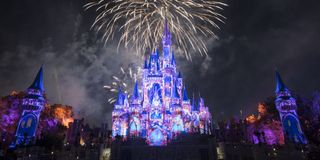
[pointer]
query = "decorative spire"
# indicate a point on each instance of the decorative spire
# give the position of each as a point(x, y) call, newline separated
point(193, 103)
point(280, 86)
point(175, 91)
point(185, 95)
point(166, 37)
point(120, 100)
point(179, 75)
point(173, 60)
point(145, 64)
point(135, 93)
point(38, 81)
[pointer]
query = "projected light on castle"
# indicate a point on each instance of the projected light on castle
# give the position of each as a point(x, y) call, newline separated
point(159, 108)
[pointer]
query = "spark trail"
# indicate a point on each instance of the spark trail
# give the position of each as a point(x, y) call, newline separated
point(140, 22)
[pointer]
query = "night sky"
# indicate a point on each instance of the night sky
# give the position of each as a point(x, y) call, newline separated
point(257, 37)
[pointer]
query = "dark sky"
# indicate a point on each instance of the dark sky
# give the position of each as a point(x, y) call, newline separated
point(257, 37)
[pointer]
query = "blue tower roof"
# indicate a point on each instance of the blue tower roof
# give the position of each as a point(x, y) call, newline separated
point(179, 75)
point(185, 95)
point(38, 81)
point(166, 37)
point(121, 96)
point(175, 91)
point(135, 93)
point(194, 107)
point(145, 64)
point(280, 86)
point(173, 60)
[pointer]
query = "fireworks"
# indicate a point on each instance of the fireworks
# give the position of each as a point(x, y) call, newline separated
point(141, 22)
point(124, 81)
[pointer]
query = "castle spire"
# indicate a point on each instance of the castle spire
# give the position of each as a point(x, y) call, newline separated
point(38, 81)
point(121, 96)
point(175, 91)
point(145, 64)
point(280, 86)
point(179, 75)
point(185, 95)
point(193, 103)
point(173, 60)
point(135, 93)
point(166, 37)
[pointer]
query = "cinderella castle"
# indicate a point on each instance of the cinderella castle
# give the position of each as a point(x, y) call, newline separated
point(163, 109)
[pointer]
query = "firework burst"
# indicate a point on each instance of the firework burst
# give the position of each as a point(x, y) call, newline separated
point(141, 22)
point(125, 81)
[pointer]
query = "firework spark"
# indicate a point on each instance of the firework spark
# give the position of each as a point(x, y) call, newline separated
point(124, 81)
point(141, 22)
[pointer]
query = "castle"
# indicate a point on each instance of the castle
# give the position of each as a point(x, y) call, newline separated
point(163, 109)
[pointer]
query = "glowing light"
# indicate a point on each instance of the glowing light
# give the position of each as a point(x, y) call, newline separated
point(63, 114)
point(141, 22)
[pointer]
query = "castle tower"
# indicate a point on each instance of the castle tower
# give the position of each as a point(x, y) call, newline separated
point(177, 122)
point(120, 116)
point(32, 104)
point(286, 105)
point(135, 110)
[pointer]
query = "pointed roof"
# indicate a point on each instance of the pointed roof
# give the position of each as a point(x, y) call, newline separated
point(166, 36)
point(145, 64)
point(173, 60)
point(175, 91)
point(280, 86)
point(121, 97)
point(38, 81)
point(194, 107)
point(179, 75)
point(135, 93)
point(185, 95)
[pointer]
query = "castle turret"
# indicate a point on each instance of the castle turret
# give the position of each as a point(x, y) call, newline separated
point(33, 103)
point(286, 105)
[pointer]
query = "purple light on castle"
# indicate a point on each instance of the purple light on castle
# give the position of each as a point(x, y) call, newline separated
point(163, 109)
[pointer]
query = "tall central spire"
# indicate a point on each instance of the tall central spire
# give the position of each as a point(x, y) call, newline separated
point(166, 36)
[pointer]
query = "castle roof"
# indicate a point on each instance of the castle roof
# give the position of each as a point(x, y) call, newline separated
point(145, 64)
point(38, 81)
point(121, 97)
point(166, 37)
point(179, 75)
point(175, 91)
point(185, 95)
point(173, 60)
point(135, 93)
point(280, 86)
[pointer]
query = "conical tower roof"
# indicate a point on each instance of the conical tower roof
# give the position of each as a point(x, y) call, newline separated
point(280, 86)
point(38, 81)
point(185, 95)
point(175, 91)
point(135, 93)
point(166, 37)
